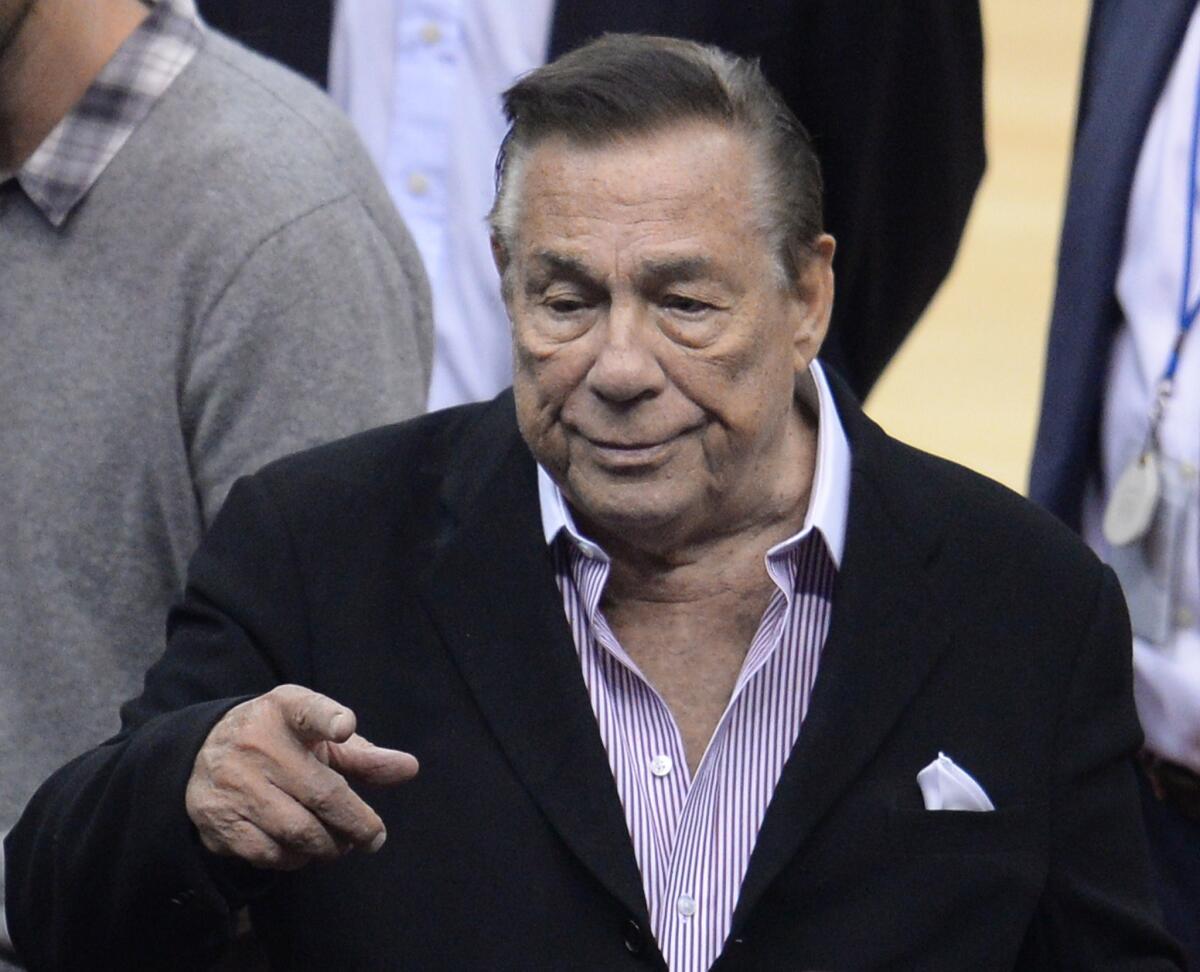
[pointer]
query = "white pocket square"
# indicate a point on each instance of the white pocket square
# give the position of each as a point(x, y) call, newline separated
point(946, 786)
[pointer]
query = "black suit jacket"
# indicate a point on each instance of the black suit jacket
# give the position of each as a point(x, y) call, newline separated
point(891, 90)
point(403, 572)
point(1130, 50)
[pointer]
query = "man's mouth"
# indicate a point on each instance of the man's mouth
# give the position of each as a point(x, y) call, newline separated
point(631, 453)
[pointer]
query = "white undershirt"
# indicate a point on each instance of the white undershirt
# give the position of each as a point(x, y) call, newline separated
point(1149, 280)
point(421, 80)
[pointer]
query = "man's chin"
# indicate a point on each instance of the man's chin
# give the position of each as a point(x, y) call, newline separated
point(628, 513)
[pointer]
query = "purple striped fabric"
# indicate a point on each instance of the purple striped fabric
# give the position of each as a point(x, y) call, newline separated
point(693, 838)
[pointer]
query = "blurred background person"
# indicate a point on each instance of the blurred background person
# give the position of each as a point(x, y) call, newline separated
point(199, 271)
point(891, 93)
point(1118, 446)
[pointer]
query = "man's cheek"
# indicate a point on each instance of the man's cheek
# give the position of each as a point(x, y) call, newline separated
point(560, 375)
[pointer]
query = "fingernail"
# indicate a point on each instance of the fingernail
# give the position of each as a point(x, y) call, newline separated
point(338, 725)
point(377, 842)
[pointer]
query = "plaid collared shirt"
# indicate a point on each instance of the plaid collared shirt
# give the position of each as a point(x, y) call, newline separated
point(63, 169)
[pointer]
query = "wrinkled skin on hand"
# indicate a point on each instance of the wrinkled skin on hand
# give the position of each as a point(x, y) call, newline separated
point(269, 785)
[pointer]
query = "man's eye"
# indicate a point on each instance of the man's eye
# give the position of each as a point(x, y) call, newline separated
point(565, 305)
point(688, 306)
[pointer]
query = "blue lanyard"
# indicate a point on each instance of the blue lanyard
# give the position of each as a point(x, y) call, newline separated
point(1187, 314)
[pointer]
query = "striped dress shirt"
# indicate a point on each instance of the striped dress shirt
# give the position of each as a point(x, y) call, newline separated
point(693, 838)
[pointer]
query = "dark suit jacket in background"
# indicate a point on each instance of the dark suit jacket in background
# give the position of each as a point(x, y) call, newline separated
point(404, 573)
point(1131, 48)
point(891, 90)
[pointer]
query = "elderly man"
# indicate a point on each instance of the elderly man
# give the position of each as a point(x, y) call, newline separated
point(702, 669)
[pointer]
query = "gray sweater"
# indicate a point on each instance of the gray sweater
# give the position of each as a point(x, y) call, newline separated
point(235, 286)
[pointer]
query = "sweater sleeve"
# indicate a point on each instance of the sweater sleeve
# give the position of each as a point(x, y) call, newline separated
point(322, 331)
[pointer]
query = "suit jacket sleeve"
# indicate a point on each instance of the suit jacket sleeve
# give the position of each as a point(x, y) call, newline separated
point(1097, 910)
point(105, 865)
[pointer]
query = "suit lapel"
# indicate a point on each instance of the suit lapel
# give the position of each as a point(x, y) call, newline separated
point(885, 636)
point(1125, 75)
point(491, 593)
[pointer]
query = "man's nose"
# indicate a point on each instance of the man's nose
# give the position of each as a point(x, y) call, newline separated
point(626, 367)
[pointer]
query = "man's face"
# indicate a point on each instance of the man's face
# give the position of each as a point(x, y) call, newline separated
point(656, 347)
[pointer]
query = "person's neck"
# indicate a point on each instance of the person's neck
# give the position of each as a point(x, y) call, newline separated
point(45, 69)
point(726, 566)
point(727, 556)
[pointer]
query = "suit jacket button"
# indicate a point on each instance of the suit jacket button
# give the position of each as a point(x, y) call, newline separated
point(635, 938)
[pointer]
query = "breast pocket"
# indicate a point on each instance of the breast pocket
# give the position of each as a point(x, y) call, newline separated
point(958, 832)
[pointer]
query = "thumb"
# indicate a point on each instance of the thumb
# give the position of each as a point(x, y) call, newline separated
point(369, 763)
point(312, 717)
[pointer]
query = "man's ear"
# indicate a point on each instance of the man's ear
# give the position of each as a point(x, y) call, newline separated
point(500, 257)
point(499, 253)
point(812, 300)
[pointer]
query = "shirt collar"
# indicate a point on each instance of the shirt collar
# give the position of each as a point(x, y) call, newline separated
point(828, 504)
point(63, 169)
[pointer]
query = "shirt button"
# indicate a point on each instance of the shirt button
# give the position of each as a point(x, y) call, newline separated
point(1184, 618)
point(686, 905)
point(431, 33)
point(418, 184)
point(661, 765)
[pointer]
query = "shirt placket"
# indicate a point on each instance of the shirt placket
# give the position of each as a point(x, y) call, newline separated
point(643, 741)
point(679, 837)
point(428, 32)
point(651, 761)
point(694, 914)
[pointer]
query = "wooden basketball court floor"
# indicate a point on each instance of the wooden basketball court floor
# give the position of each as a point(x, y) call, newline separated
point(967, 382)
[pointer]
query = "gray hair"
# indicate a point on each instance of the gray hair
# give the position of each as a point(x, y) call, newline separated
point(632, 84)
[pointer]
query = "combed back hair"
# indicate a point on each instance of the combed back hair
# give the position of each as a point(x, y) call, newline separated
point(632, 84)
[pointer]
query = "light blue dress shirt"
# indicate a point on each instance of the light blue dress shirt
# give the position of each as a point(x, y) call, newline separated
point(421, 80)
